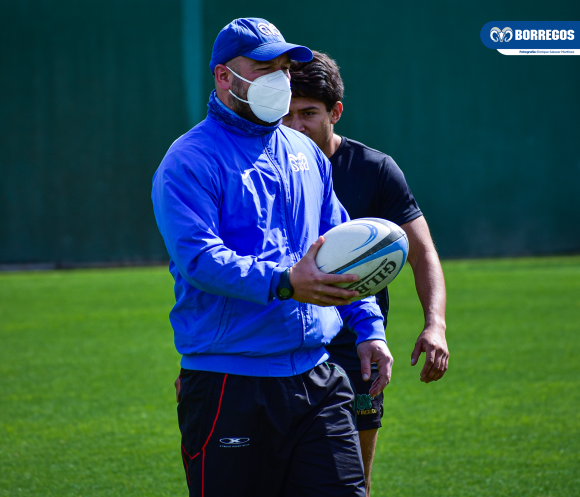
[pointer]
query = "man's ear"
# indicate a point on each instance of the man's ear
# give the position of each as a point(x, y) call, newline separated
point(223, 77)
point(335, 112)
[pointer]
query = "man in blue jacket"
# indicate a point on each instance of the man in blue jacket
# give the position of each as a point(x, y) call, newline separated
point(241, 203)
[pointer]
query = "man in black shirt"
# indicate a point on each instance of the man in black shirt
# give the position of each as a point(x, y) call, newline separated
point(369, 184)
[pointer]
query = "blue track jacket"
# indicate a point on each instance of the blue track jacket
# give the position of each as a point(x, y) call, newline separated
point(237, 204)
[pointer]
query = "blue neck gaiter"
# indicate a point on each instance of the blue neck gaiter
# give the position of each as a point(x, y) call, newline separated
point(218, 111)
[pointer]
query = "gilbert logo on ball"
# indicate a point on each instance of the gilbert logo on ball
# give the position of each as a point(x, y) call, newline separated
point(374, 249)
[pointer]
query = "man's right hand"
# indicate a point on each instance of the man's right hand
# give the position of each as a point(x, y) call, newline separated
point(312, 286)
point(375, 351)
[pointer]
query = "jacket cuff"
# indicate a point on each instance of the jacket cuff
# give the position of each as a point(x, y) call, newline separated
point(370, 329)
point(275, 281)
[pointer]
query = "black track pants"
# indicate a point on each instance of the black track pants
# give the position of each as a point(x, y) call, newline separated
point(253, 436)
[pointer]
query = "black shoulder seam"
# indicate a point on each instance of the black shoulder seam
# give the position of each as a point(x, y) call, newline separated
point(366, 147)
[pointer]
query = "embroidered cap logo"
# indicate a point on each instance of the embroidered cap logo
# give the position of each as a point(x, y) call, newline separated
point(269, 29)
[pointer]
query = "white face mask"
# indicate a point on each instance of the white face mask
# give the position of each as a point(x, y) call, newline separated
point(269, 96)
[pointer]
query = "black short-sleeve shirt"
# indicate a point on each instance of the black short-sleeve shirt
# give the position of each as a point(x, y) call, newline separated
point(368, 183)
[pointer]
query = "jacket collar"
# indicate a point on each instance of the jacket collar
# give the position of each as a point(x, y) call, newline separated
point(230, 120)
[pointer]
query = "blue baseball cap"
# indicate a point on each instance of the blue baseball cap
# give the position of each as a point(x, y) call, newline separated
point(255, 38)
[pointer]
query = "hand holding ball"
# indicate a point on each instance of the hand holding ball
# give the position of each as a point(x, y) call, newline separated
point(374, 249)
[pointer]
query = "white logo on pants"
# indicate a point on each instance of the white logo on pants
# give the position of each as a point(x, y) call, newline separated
point(234, 442)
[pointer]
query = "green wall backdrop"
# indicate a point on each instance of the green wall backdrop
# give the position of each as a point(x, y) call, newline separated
point(93, 93)
point(92, 96)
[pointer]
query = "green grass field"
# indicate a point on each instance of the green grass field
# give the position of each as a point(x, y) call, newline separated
point(87, 366)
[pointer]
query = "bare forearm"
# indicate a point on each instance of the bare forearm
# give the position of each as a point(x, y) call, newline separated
point(430, 285)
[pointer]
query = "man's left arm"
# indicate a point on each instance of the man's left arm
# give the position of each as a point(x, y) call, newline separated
point(430, 285)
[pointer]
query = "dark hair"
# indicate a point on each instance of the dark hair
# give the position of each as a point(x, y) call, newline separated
point(318, 79)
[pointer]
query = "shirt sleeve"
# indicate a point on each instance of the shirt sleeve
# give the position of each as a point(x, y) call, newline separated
point(186, 206)
point(397, 203)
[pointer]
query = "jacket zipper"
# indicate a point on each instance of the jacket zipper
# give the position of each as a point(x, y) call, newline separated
point(291, 242)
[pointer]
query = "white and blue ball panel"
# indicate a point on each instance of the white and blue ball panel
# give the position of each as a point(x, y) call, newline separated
point(373, 249)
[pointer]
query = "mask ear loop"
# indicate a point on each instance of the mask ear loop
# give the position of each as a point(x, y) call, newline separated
point(243, 79)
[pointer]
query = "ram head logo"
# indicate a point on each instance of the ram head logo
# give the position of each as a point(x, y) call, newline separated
point(497, 34)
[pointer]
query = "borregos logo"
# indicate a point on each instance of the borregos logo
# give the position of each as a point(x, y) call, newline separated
point(298, 162)
point(545, 34)
point(268, 29)
point(497, 34)
point(532, 37)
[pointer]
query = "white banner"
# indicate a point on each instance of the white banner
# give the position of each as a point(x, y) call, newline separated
point(537, 51)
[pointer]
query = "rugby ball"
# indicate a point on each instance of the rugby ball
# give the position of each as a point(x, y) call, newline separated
point(374, 249)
